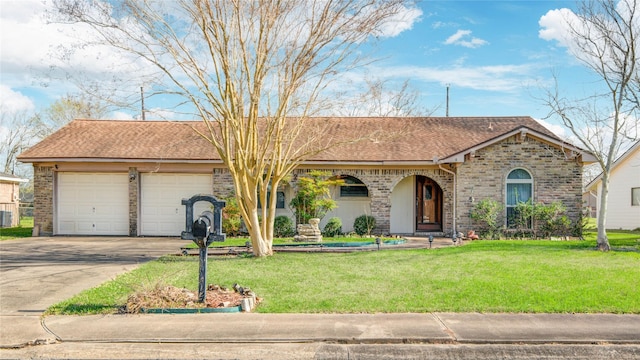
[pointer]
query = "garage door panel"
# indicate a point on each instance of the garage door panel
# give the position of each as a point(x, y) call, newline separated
point(67, 227)
point(107, 211)
point(92, 204)
point(149, 212)
point(111, 226)
point(84, 227)
point(161, 201)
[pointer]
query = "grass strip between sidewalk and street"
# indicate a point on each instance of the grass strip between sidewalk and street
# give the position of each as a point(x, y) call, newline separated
point(483, 276)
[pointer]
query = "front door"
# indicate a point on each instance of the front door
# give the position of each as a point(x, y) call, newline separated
point(428, 205)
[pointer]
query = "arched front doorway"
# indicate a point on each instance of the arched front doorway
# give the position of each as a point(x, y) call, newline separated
point(428, 205)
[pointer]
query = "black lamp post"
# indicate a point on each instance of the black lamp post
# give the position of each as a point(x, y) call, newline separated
point(378, 242)
point(430, 240)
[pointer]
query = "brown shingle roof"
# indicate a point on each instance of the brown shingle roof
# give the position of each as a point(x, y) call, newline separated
point(386, 139)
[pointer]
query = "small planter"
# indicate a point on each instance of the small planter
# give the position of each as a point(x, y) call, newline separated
point(232, 309)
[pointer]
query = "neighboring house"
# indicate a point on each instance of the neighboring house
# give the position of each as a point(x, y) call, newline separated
point(414, 175)
point(623, 205)
point(590, 204)
point(10, 199)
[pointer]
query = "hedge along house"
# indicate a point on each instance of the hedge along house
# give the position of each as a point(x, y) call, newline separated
point(416, 176)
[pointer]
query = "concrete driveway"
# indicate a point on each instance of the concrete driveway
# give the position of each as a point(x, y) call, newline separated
point(38, 272)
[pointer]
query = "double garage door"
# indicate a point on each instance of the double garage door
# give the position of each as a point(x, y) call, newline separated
point(98, 203)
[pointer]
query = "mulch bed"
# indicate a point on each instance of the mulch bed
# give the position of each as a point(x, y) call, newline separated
point(166, 297)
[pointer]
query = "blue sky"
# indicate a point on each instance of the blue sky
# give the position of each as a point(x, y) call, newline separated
point(491, 53)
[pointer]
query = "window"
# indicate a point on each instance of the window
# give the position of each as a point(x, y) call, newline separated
point(635, 196)
point(519, 189)
point(279, 200)
point(353, 187)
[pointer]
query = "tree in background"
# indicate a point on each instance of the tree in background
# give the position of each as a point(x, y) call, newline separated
point(605, 37)
point(22, 129)
point(66, 109)
point(254, 71)
point(16, 135)
point(384, 98)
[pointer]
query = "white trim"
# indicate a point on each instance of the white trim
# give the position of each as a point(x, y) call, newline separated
point(13, 179)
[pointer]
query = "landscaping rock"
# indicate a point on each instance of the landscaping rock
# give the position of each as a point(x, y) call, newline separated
point(309, 232)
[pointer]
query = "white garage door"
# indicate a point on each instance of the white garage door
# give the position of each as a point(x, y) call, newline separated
point(162, 212)
point(92, 204)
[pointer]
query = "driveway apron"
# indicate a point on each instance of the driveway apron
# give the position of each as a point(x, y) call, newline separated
point(38, 272)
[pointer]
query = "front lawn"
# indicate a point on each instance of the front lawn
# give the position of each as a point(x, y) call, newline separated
point(482, 276)
point(25, 229)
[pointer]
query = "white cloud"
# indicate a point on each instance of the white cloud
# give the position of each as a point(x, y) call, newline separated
point(404, 20)
point(559, 130)
point(555, 26)
point(501, 78)
point(461, 38)
point(120, 115)
point(38, 54)
point(457, 36)
point(14, 101)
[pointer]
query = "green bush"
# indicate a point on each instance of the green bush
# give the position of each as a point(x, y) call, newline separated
point(231, 218)
point(488, 213)
point(333, 227)
point(364, 224)
point(282, 227)
point(553, 219)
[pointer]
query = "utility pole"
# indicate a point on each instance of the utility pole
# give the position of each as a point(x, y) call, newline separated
point(447, 114)
point(142, 101)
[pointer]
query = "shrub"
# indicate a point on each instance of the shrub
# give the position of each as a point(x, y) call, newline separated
point(521, 219)
point(488, 213)
point(364, 224)
point(553, 219)
point(282, 226)
point(333, 227)
point(231, 218)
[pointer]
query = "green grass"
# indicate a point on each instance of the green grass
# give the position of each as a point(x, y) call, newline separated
point(482, 276)
point(25, 229)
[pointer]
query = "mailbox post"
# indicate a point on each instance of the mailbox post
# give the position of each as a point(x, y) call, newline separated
point(202, 231)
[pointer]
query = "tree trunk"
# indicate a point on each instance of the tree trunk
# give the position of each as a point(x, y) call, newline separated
point(603, 240)
point(260, 243)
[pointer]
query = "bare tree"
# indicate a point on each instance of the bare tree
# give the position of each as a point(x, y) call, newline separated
point(252, 70)
point(16, 135)
point(605, 36)
point(64, 110)
point(382, 97)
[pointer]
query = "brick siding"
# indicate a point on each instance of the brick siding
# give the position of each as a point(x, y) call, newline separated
point(556, 176)
point(43, 198)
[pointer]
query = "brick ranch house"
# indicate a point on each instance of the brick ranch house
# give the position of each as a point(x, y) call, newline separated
point(103, 177)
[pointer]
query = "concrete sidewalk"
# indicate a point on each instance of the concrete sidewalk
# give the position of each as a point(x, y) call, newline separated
point(430, 328)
